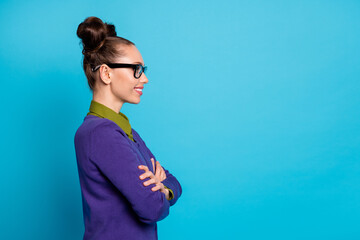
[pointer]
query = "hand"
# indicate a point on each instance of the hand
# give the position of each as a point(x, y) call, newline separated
point(153, 180)
point(159, 172)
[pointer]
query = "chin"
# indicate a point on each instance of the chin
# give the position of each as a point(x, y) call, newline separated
point(135, 101)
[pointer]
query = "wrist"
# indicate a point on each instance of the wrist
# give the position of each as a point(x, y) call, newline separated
point(167, 193)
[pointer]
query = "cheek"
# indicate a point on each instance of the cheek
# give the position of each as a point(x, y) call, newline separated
point(125, 88)
point(127, 80)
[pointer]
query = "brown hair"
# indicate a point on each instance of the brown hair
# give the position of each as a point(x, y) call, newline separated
point(100, 44)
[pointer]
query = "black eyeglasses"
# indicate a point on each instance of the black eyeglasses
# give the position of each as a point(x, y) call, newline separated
point(138, 68)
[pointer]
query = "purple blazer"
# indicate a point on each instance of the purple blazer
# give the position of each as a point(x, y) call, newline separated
point(116, 204)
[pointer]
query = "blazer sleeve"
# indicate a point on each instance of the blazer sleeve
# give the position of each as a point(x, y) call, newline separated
point(170, 181)
point(114, 157)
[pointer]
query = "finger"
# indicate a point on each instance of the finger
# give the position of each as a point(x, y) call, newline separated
point(158, 166)
point(143, 167)
point(153, 165)
point(147, 174)
point(158, 169)
point(148, 182)
point(163, 176)
point(156, 188)
point(162, 171)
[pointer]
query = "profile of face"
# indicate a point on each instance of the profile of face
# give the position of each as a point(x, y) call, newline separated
point(122, 83)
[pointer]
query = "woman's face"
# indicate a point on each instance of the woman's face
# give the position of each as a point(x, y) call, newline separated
point(124, 86)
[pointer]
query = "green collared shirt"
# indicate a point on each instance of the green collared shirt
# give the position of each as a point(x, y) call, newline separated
point(120, 119)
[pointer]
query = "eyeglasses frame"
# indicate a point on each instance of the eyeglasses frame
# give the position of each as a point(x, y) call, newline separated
point(123, 65)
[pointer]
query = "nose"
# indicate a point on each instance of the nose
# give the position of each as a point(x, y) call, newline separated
point(143, 78)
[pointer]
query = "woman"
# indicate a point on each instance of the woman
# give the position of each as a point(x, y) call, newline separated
point(124, 189)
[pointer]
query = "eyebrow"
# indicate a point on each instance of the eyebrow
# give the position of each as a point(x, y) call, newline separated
point(139, 63)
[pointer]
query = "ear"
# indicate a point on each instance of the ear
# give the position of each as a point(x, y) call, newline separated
point(105, 74)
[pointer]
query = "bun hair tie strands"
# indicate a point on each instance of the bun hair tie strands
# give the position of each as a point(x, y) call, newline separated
point(84, 51)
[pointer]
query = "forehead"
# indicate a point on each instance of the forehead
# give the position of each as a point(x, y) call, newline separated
point(130, 55)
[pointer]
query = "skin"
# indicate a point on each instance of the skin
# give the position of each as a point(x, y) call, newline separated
point(113, 88)
point(154, 179)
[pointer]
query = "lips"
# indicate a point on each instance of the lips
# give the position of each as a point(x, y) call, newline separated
point(139, 90)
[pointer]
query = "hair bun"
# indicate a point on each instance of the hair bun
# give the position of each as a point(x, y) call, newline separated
point(93, 32)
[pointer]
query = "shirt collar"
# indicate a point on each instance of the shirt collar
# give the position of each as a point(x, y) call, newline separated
point(120, 119)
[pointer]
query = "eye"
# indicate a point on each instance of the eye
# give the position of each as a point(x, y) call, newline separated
point(139, 69)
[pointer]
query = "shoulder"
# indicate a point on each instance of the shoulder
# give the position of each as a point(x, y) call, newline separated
point(135, 132)
point(96, 126)
point(138, 138)
point(136, 135)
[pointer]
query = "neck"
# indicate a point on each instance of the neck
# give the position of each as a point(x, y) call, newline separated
point(108, 100)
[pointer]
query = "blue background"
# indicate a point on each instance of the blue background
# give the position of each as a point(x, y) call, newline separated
point(253, 105)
